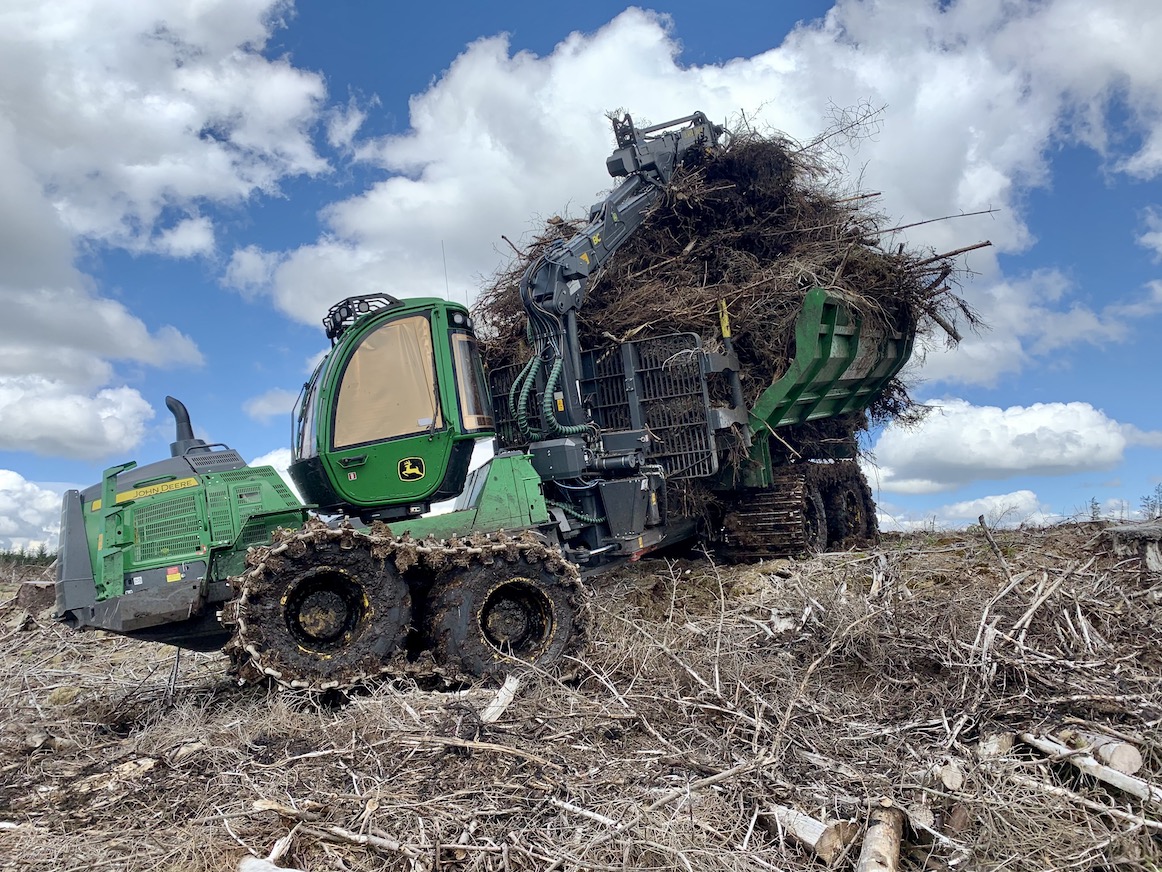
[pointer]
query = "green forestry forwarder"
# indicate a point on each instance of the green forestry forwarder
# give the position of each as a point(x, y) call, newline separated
point(203, 552)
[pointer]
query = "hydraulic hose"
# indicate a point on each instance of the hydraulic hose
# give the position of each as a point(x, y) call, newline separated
point(522, 410)
point(547, 417)
point(576, 514)
point(512, 396)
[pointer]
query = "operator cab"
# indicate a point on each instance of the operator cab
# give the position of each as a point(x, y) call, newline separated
point(387, 422)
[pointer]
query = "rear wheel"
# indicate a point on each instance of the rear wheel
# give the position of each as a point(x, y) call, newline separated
point(482, 618)
point(850, 510)
point(814, 518)
point(322, 613)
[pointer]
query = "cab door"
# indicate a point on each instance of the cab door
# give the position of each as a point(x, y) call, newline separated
point(389, 440)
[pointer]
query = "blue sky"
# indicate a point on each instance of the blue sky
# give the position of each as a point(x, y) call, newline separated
point(189, 186)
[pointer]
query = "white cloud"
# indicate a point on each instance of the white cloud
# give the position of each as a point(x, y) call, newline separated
point(124, 110)
point(1018, 507)
point(29, 513)
point(274, 403)
point(958, 443)
point(976, 94)
point(280, 459)
point(999, 510)
point(1031, 319)
point(53, 321)
point(1152, 237)
point(250, 269)
point(191, 237)
point(120, 124)
point(48, 418)
point(343, 123)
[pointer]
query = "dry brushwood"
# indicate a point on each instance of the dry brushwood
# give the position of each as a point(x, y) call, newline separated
point(757, 227)
point(707, 697)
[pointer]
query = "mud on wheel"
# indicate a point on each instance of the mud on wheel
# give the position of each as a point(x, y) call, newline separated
point(482, 617)
point(319, 612)
point(851, 514)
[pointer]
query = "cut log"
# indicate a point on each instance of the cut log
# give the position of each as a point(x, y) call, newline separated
point(1107, 750)
point(255, 864)
point(920, 816)
point(1090, 766)
point(881, 843)
point(825, 839)
point(948, 775)
point(994, 745)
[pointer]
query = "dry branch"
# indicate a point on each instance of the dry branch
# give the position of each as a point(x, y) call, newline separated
point(1087, 764)
point(754, 228)
point(1107, 750)
point(690, 718)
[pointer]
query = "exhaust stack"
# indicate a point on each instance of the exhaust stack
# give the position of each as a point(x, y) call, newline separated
point(184, 439)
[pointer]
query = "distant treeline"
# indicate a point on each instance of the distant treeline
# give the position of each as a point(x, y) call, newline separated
point(40, 556)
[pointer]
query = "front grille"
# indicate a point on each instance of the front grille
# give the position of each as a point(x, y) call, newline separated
point(167, 529)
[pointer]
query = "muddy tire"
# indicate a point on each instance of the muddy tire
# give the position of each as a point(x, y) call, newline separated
point(323, 613)
point(814, 519)
point(850, 512)
point(483, 617)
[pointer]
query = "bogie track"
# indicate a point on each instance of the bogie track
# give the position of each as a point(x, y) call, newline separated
point(326, 608)
point(808, 508)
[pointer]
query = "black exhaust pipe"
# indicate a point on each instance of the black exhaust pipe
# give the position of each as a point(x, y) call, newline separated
point(184, 439)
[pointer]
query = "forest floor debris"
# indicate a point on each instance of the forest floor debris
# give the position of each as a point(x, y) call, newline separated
point(714, 708)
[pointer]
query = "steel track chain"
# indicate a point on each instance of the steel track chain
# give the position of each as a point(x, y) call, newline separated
point(253, 662)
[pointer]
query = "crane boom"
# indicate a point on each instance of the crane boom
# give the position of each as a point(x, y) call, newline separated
point(553, 287)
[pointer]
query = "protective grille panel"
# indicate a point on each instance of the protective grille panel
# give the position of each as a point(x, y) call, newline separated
point(221, 522)
point(272, 479)
point(508, 435)
point(671, 388)
point(670, 391)
point(214, 461)
point(168, 528)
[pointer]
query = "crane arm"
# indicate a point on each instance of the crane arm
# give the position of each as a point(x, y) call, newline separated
point(646, 160)
point(553, 287)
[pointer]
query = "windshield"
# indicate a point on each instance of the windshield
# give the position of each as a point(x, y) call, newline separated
point(475, 408)
point(388, 388)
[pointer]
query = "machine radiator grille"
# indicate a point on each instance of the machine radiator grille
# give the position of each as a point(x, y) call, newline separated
point(214, 461)
point(271, 478)
point(221, 521)
point(167, 529)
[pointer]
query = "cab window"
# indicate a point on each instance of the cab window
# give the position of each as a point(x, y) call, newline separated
point(471, 388)
point(305, 414)
point(388, 388)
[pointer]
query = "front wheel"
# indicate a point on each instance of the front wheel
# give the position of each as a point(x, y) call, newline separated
point(320, 613)
point(484, 617)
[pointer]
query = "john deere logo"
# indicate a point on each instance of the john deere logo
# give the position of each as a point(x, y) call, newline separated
point(411, 469)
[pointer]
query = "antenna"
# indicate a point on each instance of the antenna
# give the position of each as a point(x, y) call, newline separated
point(444, 257)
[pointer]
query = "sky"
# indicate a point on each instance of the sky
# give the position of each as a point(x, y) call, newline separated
point(188, 185)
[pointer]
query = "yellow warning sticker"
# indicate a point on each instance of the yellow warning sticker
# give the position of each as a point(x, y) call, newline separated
point(152, 490)
point(173, 573)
